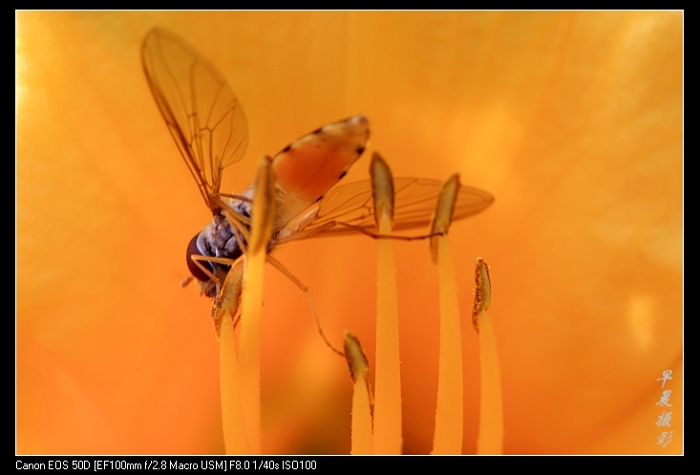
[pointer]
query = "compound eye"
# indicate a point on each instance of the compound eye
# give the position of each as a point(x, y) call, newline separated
point(192, 249)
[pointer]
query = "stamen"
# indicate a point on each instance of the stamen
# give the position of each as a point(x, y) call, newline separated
point(262, 215)
point(449, 413)
point(490, 439)
point(362, 396)
point(387, 415)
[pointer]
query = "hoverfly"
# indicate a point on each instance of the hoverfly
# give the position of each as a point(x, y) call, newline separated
point(209, 128)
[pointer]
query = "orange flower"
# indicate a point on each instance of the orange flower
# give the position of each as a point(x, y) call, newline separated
point(572, 120)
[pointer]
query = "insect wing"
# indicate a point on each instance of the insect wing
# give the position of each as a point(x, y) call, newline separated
point(200, 109)
point(310, 166)
point(415, 200)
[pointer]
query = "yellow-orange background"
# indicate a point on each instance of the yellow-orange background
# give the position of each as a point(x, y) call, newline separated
point(573, 120)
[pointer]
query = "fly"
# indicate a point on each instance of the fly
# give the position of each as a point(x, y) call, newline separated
point(209, 127)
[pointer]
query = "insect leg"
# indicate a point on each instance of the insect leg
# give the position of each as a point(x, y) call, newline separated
point(196, 258)
point(387, 236)
point(278, 265)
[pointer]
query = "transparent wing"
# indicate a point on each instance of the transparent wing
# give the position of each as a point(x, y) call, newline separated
point(414, 205)
point(200, 109)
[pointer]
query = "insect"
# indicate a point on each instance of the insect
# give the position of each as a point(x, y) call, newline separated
point(209, 127)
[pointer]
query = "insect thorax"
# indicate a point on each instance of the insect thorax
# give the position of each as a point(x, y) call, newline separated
point(218, 239)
